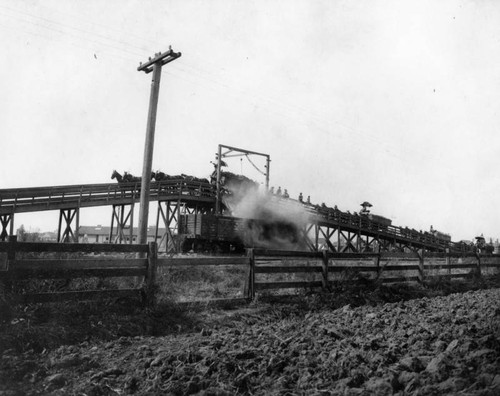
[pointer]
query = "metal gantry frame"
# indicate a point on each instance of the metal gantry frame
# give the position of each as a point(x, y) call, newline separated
point(236, 152)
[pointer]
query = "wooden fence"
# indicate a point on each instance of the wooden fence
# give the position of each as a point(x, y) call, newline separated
point(326, 268)
point(78, 263)
point(14, 267)
point(265, 269)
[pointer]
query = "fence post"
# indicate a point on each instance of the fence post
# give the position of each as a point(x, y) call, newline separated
point(421, 272)
point(11, 253)
point(326, 284)
point(478, 256)
point(5, 282)
point(11, 256)
point(250, 284)
point(246, 286)
point(377, 263)
point(150, 278)
point(448, 260)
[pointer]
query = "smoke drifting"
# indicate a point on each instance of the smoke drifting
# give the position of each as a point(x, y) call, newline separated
point(269, 221)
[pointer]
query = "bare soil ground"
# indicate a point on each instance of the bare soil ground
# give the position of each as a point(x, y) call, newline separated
point(374, 340)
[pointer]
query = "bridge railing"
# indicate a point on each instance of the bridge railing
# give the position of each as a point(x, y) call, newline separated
point(182, 187)
point(46, 198)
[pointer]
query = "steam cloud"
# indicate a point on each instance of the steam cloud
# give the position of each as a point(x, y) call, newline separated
point(269, 221)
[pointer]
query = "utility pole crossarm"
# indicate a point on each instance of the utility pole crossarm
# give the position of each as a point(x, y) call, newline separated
point(162, 58)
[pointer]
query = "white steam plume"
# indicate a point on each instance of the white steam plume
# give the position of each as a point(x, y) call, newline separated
point(271, 222)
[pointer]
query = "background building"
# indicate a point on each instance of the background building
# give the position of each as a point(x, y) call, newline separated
point(101, 234)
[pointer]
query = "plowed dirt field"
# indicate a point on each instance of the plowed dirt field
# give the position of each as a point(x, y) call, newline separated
point(351, 345)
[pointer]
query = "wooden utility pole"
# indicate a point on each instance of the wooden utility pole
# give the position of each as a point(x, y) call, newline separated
point(152, 65)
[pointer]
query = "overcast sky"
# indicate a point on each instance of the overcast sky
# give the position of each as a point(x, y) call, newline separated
point(394, 102)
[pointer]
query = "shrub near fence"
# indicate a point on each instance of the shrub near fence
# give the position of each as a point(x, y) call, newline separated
point(193, 279)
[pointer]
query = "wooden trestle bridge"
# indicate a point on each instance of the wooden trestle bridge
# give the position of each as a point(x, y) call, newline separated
point(335, 231)
point(345, 232)
point(173, 196)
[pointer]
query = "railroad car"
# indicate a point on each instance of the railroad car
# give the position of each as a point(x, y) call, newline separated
point(208, 232)
point(383, 221)
point(440, 235)
point(226, 234)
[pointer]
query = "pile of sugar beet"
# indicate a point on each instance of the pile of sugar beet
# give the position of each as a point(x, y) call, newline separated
point(441, 345)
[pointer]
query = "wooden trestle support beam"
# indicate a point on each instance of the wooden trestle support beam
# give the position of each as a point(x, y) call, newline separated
point(68, 215)
point(336, 239)
point(167, 217)
point(7, 221)
point(124, 216)
point(168, 212)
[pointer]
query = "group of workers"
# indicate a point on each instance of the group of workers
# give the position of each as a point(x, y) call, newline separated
point(279, 193)
point(284, 194)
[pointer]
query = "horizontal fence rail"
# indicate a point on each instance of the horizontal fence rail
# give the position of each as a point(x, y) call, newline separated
point(76, 268)
point(39, 247)
point(198, 261)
